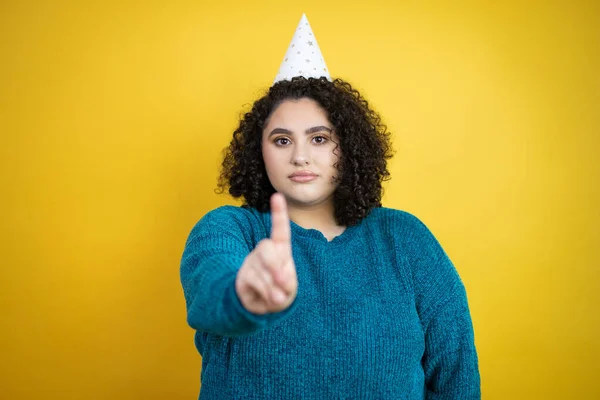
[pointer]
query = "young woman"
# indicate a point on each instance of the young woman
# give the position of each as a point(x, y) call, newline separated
point(312, 289)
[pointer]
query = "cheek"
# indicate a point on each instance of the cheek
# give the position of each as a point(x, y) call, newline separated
point(333, 159)
point(270, 158)
point(266, 154)
point(328, 156)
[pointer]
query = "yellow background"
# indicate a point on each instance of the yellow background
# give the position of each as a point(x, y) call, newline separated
point(113, 117)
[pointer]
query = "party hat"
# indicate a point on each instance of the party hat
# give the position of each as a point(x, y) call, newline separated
point(303, 56)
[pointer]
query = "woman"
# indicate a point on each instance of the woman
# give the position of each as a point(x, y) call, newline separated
point(312, 289)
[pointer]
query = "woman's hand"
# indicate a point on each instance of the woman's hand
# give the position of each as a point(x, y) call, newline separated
point(267, 281)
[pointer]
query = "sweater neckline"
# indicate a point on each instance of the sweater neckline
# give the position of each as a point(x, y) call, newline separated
point(316, 235)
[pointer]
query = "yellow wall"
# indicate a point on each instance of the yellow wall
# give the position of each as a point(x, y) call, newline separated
point(112, 118)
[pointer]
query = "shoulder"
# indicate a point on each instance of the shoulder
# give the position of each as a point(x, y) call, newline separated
point(228, 215)
point(403, 227)
point(430, 265)
point(396, 219)
point(233, 221)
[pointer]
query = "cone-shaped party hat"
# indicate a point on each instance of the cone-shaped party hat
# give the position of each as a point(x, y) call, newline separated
point(303, 56)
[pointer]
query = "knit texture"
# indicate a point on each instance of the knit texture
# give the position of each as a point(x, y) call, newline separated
point(381, 313)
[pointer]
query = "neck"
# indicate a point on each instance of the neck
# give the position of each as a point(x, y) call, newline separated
point(320, 217)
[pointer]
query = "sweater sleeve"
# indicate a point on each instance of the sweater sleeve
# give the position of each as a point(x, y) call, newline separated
point(213, 254)
point(450, 360)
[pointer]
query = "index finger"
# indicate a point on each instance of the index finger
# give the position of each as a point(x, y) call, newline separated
point(280, 229)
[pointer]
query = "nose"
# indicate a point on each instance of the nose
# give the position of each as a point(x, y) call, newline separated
point(300, 156)
point(300, 161)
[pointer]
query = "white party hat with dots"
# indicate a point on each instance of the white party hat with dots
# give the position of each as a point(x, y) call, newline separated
point(303, 57)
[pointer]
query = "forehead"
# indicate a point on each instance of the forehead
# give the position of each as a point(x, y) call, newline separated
point(299, 114)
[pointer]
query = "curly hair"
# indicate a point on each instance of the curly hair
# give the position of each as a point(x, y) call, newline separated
point(363, 139)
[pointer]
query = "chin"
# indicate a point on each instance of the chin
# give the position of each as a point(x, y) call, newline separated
point(306, 197)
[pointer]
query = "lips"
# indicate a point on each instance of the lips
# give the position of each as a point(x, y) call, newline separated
point(303, 176)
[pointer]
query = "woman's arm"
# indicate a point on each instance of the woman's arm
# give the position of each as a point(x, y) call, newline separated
point(450, 361)
point(213, 254)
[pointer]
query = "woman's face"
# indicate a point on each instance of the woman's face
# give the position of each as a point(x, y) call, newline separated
point(298, 145)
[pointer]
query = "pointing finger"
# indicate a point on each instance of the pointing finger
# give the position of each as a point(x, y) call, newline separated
point(280, 230)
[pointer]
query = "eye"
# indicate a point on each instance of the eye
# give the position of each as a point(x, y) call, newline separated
point(282, 141)
point(320, 139)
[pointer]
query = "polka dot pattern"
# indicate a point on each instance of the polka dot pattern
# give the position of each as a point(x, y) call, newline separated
point(303, 56)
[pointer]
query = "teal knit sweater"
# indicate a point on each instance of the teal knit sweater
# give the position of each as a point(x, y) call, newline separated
point(381, 313)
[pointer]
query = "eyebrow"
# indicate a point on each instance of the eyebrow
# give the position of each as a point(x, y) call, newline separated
point(314, 129)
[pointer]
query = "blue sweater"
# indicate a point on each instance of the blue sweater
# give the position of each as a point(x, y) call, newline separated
point(381, 313)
